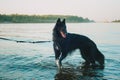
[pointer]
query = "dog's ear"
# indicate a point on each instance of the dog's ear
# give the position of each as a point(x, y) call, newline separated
point(63, 21)
point(58, 21)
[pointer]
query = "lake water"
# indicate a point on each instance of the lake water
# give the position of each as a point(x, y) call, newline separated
point(23, 57)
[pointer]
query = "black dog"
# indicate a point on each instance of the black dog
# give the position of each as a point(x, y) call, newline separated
point(65, 43)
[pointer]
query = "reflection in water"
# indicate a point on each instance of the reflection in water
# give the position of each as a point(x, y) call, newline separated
point(80, 73)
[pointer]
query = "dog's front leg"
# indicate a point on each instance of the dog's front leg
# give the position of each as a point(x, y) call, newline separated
point(57, 56)
point(59, 64)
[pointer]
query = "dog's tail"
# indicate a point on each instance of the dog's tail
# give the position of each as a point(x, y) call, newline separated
point(100, 58)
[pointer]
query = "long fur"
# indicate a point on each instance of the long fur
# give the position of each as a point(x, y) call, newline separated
point(64, 43)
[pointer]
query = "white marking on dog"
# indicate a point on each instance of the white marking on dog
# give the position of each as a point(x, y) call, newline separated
point(56, 47)
point(57, 63)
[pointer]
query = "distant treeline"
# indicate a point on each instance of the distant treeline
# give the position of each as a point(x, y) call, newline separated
point(17, 18)
point(116, 21)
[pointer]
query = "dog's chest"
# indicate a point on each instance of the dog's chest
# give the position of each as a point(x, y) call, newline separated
point(62, 45)
point(56, 47)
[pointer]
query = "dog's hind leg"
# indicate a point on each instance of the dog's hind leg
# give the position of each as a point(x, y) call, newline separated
point(84, 56)
point(88, 55)
point(97, 56)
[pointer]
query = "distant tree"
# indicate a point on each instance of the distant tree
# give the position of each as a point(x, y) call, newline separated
point(16, 18)
point(116, 21)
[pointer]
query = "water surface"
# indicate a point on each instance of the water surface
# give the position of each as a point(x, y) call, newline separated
point(35, 61)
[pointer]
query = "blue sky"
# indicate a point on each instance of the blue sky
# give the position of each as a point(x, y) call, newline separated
point(98, 10)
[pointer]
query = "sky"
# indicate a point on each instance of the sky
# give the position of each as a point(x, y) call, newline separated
point(98, 10)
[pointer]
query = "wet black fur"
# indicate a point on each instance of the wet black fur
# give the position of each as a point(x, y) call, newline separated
point(64, 46)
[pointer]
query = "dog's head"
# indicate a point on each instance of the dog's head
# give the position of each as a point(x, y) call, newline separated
point(60, 28)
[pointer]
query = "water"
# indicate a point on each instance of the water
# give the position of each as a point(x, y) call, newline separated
point(28, 60)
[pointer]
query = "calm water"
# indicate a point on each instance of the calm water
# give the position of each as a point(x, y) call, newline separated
point(26, 60)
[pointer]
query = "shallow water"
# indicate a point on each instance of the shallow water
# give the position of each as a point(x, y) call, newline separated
point(35, 61)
